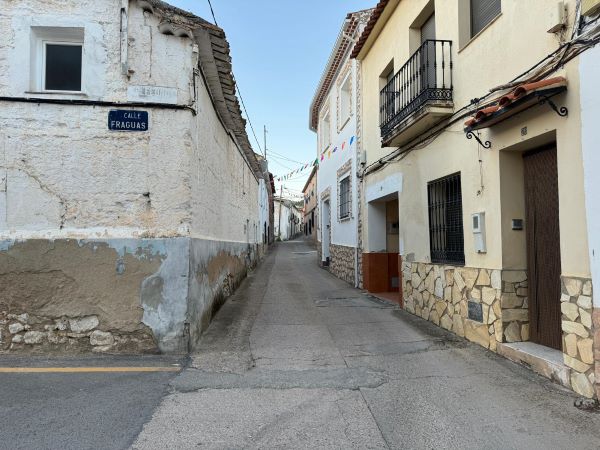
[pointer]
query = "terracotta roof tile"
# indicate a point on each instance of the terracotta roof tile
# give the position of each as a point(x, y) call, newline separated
point(377, 11)
point(506, 100)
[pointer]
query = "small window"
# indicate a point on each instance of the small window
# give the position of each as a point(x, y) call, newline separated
point(345, 101)
point(446, 233)
point(482, 13)
point(345, 197)
point(62, 66)
point(57, 59)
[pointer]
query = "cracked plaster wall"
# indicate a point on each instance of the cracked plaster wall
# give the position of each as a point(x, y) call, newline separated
point(106, 224)
point(63, 173)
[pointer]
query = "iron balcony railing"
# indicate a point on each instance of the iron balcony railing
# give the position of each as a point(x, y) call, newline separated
point(426, 76)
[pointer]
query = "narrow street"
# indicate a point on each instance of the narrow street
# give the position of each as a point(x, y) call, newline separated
point(298, 359)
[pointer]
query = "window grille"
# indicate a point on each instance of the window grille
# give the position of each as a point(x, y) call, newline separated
point(446, 233)
point(345, 197)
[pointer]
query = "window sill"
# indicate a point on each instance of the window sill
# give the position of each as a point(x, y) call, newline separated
point(483, 30)
point(62, 93)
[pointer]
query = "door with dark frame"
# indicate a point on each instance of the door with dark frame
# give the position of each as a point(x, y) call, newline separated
point(543, 246)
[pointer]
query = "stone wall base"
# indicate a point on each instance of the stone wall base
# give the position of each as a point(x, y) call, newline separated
point(490, 307)
point(114, 295)
point(578, 334)
point(342, 262)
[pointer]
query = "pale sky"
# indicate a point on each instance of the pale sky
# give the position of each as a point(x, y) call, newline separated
point(279, 50)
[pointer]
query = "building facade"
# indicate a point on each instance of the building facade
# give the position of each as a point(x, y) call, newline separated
point(334, 118)
point(265, 216)
point(310, 212)
point(288, 220)
point(130, 196)
point(474, 184)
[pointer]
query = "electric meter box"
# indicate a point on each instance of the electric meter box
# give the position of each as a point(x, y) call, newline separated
point(478, 224)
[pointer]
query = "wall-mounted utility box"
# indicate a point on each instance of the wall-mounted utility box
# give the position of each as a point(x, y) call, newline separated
point(478, 223)
point(517, 224)
point(590, 7)
point(362, 157)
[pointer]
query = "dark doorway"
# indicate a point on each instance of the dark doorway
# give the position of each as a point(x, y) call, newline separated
point(428, 49)
point(543, 246)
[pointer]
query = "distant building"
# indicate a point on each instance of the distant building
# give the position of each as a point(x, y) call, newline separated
point(130, 198)
point(310, 211)
point(266, 191)
point(288, 220)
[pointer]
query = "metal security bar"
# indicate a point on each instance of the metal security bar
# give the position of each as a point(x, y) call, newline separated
point(446, 235)
point(426, 76)
point(345, 198)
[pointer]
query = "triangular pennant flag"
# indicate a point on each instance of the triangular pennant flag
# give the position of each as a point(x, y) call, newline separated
point(352, 139)
point(322, 156)
point(343, 145)
point(334, 149)
point(329, 154)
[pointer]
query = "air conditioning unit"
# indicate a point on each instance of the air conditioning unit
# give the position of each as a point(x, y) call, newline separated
point(590, 7)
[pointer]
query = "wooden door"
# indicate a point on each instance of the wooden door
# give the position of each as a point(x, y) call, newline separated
point(543, 246)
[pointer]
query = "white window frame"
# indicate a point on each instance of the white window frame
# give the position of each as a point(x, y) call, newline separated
point(41, 37)
point(345, 115)
point(42, 54)
point(326, 136)
point(348, 203)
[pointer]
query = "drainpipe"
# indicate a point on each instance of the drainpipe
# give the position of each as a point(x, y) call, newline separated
point(356, 283)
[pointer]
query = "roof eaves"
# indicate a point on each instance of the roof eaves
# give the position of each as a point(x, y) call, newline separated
point(375, 16)
point(215, 64)
point(338, 54)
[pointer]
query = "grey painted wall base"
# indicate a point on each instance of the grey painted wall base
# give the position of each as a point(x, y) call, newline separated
point(114, 295)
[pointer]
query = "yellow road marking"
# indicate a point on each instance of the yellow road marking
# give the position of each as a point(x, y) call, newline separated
point(86, 369)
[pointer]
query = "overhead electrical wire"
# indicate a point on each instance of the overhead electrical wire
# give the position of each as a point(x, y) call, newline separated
point(588, 37)
point(237, 86)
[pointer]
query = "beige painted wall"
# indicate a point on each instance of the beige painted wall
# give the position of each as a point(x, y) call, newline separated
point(506, 48)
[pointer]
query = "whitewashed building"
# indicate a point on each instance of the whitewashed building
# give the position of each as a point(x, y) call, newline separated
point(130, 197)
point(334, 116)
point(288, 219)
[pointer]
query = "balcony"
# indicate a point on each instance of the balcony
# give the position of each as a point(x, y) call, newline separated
point(418, 95)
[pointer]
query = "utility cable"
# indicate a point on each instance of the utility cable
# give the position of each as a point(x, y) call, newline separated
point(237, 86)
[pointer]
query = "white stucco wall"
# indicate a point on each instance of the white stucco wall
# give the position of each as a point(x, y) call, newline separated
point(343, 232)
point(63, 173)
point(590, 136)
point(263, 211)
point(288, 213)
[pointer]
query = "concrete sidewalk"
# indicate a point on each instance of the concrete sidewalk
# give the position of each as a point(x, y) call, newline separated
point(299, 359)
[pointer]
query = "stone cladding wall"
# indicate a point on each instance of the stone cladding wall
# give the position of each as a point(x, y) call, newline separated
point(514, 302)
point(342, 262)
point(441, 295)
point(578, 333)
